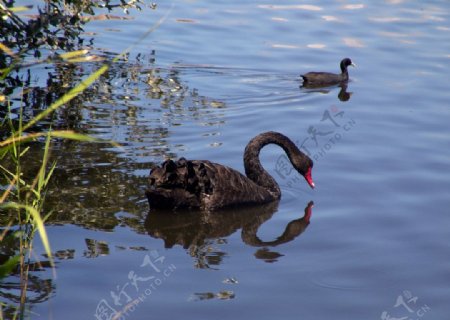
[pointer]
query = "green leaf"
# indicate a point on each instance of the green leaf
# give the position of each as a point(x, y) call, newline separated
point(9, 266)
point(20, 9)
point(38, 222)
point(73, 54)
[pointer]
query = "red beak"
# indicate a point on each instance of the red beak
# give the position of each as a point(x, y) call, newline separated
point(309, 178)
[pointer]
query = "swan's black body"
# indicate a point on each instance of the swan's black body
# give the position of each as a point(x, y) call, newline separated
point(321, 79)
point(204, 185)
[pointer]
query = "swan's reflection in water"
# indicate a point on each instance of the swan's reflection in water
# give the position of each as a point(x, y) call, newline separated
point(196, 230)
point(343, 94)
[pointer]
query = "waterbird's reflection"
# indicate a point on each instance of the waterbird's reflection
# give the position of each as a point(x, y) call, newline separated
point(343, 94)
point(194, 230)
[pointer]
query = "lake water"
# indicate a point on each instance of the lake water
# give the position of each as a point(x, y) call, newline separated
point(207, 80)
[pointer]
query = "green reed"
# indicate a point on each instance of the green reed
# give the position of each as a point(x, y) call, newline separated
point(22, 198)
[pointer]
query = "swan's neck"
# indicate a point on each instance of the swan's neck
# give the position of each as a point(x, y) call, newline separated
point(253, 168)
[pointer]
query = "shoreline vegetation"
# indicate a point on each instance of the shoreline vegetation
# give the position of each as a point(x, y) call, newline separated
point(57, 30)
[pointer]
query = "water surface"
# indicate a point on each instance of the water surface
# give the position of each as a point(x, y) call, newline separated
point(204, 83)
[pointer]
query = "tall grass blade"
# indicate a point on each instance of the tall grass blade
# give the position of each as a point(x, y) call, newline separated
point(7, 267)
point(37, 221)
point(63, 134)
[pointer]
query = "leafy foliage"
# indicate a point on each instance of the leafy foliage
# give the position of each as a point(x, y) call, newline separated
point(58, 24)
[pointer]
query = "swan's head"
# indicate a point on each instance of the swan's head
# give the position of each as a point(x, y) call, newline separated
point(304, 166)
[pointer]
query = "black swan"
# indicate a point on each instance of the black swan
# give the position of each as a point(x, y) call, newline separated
point(208, 186)
point(316, 79)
